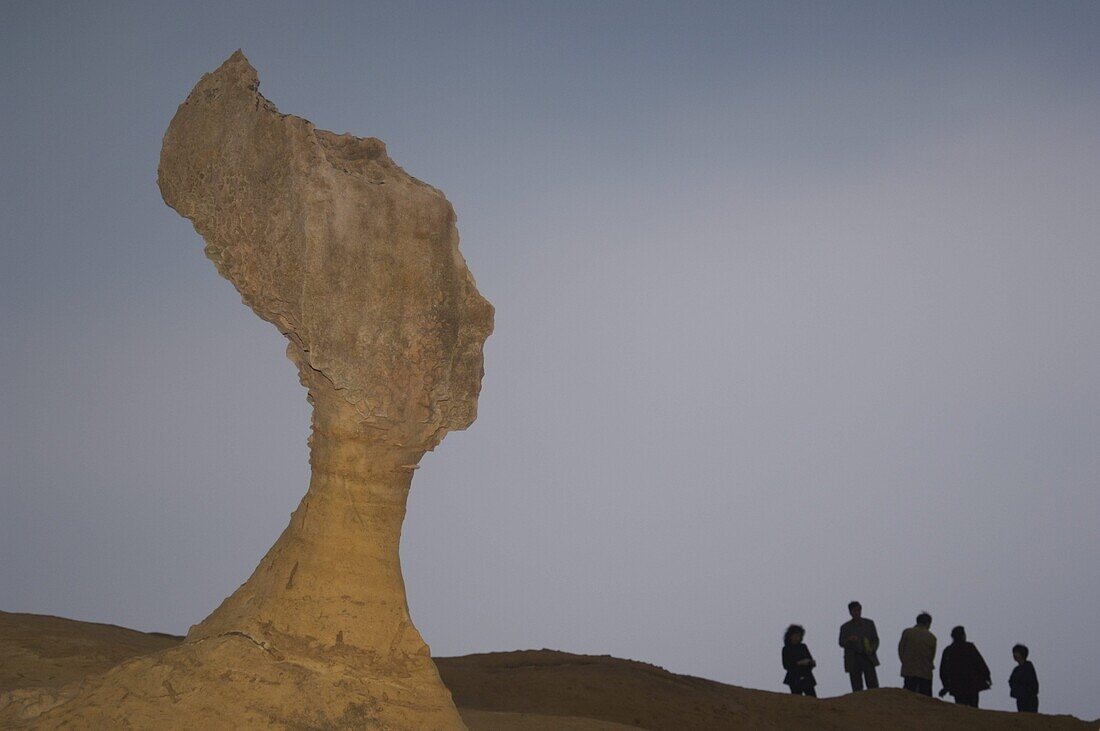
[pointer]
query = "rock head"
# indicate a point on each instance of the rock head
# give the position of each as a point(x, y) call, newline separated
point(357, 263)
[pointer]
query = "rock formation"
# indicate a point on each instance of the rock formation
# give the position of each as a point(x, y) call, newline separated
point(357, 263)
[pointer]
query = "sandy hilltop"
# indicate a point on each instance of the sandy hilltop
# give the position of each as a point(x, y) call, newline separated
point(533, 690)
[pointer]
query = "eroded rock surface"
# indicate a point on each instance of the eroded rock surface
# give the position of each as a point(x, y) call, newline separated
point(357, 263)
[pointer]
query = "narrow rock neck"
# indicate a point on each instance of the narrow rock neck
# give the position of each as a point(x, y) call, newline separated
point(333, 578)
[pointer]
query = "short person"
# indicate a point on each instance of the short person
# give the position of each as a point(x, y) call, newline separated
point(1023, 682)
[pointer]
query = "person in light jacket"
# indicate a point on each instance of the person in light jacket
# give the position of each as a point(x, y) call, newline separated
point(859, 638)
point(798, 662)
point(917, 652)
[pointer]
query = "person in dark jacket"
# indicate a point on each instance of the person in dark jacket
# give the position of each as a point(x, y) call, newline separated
point(963, 671)
point(859, 638)
point(798, 662)
point(1023, 682)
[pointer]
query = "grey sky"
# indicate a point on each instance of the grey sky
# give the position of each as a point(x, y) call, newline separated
point(796, 303)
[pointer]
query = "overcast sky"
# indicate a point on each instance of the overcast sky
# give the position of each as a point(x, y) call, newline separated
point(796, 303)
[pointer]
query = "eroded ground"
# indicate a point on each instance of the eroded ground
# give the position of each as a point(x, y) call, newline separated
point(538, 690)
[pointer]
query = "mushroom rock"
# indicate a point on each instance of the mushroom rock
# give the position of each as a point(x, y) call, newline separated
point(357, 263)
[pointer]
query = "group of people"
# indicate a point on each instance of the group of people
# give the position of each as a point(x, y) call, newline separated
point(963, 672)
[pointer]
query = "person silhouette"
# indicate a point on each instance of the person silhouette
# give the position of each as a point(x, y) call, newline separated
point(798, 662)
point(859, 638)
point(1023, 683)
point(963, 671)
point(917, 652)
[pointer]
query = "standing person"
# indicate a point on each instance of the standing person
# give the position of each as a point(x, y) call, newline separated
point(963, 671)
point(917, 652)
point(859, 638)
point(798, 662)
point(1023, 682)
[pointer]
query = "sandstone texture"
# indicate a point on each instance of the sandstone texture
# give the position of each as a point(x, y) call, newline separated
point(357, 263)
